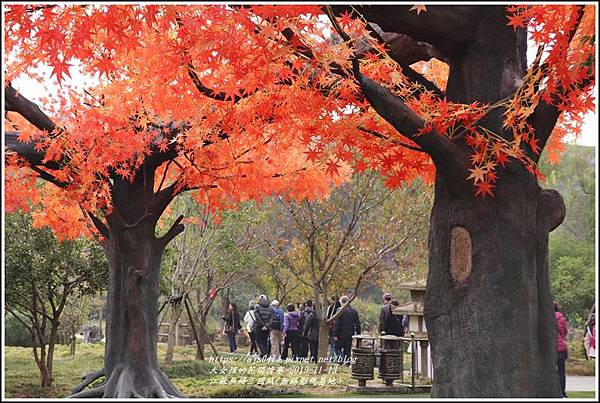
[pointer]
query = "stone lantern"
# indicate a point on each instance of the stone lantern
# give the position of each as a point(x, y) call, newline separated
point(416, 325)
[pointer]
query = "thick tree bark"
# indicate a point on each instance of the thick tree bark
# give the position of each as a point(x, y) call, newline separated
point(134, 255)
point(488, 307)
point(130, 357)
point(488, 304)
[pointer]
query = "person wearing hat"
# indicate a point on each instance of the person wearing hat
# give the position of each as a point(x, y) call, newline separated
point(276, 326)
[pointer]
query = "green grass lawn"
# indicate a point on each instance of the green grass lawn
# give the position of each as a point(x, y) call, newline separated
point(241, 376)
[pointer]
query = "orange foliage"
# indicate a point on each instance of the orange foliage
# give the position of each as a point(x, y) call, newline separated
point(285, 136)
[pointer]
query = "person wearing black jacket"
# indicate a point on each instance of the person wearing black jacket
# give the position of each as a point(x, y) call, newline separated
point(232, 326)
point(389, 323)
point(263, 315)
point(311, 330)
point(345, 326)
point(302, 340)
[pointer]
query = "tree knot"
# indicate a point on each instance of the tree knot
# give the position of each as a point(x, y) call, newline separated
point(460, 254)
point(139, 274)
point(551, 208)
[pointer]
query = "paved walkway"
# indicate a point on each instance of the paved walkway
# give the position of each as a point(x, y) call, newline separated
point(581, 383)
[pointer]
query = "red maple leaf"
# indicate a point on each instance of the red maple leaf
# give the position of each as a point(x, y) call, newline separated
point(60, 68)
point(332, 168)
point(502, 159)
point(484, 188)
point(104, 66)
point(311, 155)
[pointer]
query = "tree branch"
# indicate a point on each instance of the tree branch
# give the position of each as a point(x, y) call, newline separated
point(100, 226)
point(398, 48)
point(448, 28)
point(448, 157)
point(393, 141)
point(175, 230)
point(15, 102)
point(48, 177)
point(544, 117)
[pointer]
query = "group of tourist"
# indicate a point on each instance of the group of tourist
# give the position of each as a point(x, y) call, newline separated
point(274, 332)
point(295, 333)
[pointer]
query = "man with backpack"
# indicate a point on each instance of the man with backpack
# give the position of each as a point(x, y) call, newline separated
point(276, 326)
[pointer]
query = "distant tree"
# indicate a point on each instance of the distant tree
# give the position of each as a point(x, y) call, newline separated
point(74, 316)
point(571, 250)
point(213, 254)
point(575, 179)
point(335, 245)
point(41, 275)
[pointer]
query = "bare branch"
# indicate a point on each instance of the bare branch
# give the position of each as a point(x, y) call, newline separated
point(448, 28)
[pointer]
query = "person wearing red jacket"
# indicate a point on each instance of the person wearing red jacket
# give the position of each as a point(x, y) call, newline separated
point(561, 346)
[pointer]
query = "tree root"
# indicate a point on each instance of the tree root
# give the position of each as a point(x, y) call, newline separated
point(95, 392)
point(87, 379)
point(122, 383)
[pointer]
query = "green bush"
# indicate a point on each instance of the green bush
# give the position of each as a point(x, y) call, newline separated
point(188, 369)
point(16, 334)
point(368, 313)
point(575, 344)
point(573, 282)
point(249, 391)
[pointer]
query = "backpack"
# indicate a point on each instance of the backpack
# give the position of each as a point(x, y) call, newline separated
point(276, 321)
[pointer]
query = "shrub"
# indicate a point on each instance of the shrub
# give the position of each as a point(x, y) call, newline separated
point(16, 334)
point(249, 391)
point(368, 313)
point(188, 369)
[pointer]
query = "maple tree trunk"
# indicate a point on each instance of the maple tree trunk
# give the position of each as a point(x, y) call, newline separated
point(488, 302)
point(134, 255)
point(493, 331)
point(130, 358)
